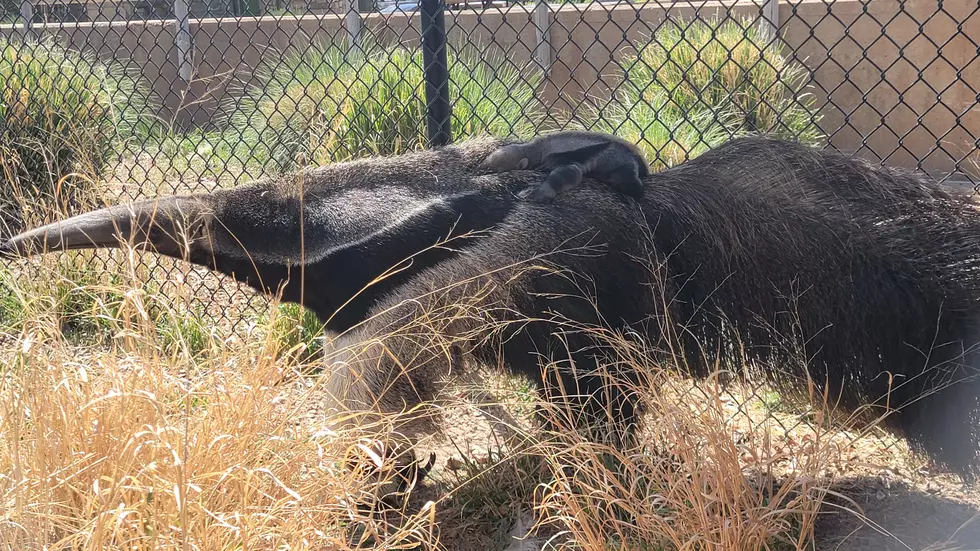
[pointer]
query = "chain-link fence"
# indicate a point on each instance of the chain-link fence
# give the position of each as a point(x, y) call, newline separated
point(146, 97)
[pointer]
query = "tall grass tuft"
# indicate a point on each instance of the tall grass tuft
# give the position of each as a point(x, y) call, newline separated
point(692, 86)
point(63, 115)
point(299, 330)
point(67, 291)
point(147, 444)
point(328, 103)
point(79, 301)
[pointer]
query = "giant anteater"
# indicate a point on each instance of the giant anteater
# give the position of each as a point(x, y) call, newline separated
point(870, 274)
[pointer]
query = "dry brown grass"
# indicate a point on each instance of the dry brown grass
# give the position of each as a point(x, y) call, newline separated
point(138, 445)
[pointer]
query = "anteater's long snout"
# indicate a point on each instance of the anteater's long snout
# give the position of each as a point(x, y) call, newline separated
point(164, 224)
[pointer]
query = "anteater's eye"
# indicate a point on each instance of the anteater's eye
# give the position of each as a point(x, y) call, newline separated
point(199, 230)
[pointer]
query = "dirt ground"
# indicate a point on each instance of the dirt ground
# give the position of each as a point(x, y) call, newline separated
point(896, 515)
point(887, 500)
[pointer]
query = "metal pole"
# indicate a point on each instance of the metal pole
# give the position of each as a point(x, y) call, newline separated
point(542, 33)
point(27, 14)
point(436, 69)
point(182, 38)
point(770, 12)
point(353, 23)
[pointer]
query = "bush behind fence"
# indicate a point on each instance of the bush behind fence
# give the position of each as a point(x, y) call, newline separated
point(108, 99)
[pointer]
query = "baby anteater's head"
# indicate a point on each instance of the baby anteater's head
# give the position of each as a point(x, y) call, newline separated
point(508, 157)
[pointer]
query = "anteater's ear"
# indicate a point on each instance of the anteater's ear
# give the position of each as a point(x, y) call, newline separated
point(173, 226)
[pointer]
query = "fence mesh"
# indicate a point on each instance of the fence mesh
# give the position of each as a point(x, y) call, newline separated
point(146, 97)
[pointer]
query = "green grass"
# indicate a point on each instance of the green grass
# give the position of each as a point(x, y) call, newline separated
point(182, 328)
point(298, 331)
point(77, 298)
point(198, 154)
point(695, 85)
point(666, 137)
point(64, 116)
point(88, 304)
point(329, 104)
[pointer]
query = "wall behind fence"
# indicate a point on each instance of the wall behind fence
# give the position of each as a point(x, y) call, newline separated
point(897, 82)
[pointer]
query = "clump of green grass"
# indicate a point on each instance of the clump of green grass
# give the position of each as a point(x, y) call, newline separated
point(63, 116)
point(330, 103)
point(181, 326)
point(298, 330)
point(668, 138)
point(181, 162)
point(692, 86)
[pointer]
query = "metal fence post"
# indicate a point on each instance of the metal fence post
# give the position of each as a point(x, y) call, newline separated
point(436, 68)
point(542, 33)
point(770, 14)
point(182, 39)
point(27, 14)
point(352, 22)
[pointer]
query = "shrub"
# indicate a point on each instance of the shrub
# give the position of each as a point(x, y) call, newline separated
point(83, 302)
point(667, 136)
point(329, 103)
point(694, 85)
point(62, 114)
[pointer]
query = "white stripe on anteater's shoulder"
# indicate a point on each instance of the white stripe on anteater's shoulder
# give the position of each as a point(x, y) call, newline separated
point(346, 205)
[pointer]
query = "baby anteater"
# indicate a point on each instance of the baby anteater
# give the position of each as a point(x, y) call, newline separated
point(569, 156)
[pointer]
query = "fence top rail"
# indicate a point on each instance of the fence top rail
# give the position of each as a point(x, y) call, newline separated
point(527, 7)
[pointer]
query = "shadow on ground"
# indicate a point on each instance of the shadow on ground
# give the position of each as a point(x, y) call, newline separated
point(872, 515)
point(883, 517)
